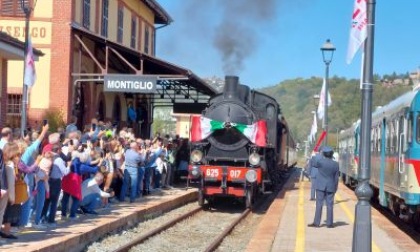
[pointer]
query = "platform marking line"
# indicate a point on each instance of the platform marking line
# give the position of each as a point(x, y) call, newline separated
point(300, 226)
point(350, 215)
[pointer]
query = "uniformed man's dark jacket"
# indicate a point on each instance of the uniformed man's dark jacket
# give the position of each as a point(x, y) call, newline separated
point(328, 173)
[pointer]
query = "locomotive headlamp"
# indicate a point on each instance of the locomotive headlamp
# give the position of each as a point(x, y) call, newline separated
point(254, 159)
point(195, 172)
point(251, 176)
point(196, 156)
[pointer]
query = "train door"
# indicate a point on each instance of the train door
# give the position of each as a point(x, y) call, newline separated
point(405, 136)
point(382, 196)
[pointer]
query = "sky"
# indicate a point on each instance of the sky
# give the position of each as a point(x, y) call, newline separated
point(282, 40)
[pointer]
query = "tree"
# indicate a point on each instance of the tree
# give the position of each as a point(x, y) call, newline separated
point(163, 121)
point(296, 100)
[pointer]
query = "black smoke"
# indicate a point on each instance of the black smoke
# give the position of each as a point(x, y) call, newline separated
point(236, 35)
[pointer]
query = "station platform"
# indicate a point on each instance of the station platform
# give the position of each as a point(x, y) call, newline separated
point(71, 236)
point(284, 227)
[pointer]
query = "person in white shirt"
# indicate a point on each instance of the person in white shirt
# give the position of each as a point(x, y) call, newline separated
point(92, 195)
point(6, 137)
point(59, 169)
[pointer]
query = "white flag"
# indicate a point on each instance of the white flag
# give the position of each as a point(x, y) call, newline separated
point(30, 74)
point(358, 30)
point(314, 129)
point(321, 104)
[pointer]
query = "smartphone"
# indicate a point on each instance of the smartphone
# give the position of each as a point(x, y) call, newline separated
point(45, 122)
point(93, 127)
point(71, 142)
point(25, 133)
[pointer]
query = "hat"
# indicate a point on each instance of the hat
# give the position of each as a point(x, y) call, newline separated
point(326, 149)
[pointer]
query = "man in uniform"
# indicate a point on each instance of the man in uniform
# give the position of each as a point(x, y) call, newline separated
point(312, 172)
point(326, 185)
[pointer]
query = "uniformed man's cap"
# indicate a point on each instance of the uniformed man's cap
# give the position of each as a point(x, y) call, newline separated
point(326, 149)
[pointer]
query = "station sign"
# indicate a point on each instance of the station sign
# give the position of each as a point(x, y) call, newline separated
point(128, 83)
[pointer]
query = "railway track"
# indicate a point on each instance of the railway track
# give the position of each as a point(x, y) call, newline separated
point(206, 229)
point(211, 247)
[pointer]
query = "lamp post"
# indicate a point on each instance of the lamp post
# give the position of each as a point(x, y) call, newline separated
point(362, 230)
point(27, 9)
point(327, 50)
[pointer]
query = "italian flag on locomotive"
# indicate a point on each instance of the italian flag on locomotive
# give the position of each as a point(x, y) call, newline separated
point(202, 127)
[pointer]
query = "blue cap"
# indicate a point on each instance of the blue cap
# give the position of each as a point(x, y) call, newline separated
point(326, 149)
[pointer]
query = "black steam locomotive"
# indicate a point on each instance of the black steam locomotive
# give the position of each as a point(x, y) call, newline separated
point(243, 145)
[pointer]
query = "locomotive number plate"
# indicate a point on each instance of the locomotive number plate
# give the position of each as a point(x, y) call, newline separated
point(214, 173)
point(235, 174)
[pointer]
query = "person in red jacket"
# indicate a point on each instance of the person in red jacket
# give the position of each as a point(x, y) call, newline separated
point(72, 183)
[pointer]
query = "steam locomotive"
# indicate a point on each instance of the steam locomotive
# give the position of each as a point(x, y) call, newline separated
point(241, 145)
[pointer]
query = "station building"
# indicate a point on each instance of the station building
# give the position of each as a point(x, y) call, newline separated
point(83, 42)
point(11, 49)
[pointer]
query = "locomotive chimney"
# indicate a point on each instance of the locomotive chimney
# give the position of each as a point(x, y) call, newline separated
point(231, 87)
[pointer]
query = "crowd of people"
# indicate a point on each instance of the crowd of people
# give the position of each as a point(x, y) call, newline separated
point(79, 172)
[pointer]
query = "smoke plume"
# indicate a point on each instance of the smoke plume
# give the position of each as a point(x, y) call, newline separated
point(236, 36)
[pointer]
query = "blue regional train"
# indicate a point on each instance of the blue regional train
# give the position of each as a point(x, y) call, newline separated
point(395, 148)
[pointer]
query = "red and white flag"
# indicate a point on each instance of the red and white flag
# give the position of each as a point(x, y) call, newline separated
point(322, 99)
point(30, 73)
point(358, 31)
point(314, 129)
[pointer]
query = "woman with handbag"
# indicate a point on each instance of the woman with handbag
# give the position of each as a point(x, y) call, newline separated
point(16, 188)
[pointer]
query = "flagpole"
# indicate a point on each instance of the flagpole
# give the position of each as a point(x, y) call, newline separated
point(23, 121)
point(327, 73)
point(362, 230)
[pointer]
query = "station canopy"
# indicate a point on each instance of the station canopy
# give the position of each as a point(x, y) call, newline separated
point(175, 84)
point(14, 49)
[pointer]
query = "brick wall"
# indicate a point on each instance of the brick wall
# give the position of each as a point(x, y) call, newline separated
point(3, 93)
point(61, 57)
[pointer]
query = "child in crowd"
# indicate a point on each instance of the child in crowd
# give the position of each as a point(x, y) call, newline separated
point(43, 172)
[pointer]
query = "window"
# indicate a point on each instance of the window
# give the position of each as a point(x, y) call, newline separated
point(120, 24)
point(146, 39)
point(133, 32)
point(410, 128)
point(14, 104)
point(13, 8)
point(104, 30)
point(86, 13)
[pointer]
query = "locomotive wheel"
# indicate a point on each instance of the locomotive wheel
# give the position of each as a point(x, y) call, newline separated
point(249, 196)
point(200, 197)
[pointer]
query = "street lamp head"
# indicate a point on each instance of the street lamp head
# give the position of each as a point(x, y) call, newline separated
point(327, 51)
point(26, 5)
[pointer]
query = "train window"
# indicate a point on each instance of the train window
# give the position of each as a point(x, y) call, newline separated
point(394, 136)
point(410, 128)
point(270, 111)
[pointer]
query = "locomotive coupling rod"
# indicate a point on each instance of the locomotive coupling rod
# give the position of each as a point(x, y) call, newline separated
point(137, 241)
point(213, 246)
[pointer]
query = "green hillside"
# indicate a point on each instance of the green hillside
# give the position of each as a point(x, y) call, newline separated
point(296, 100)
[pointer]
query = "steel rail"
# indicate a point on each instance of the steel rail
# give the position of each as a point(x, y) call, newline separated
point(215, 244)
point(151, 233)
